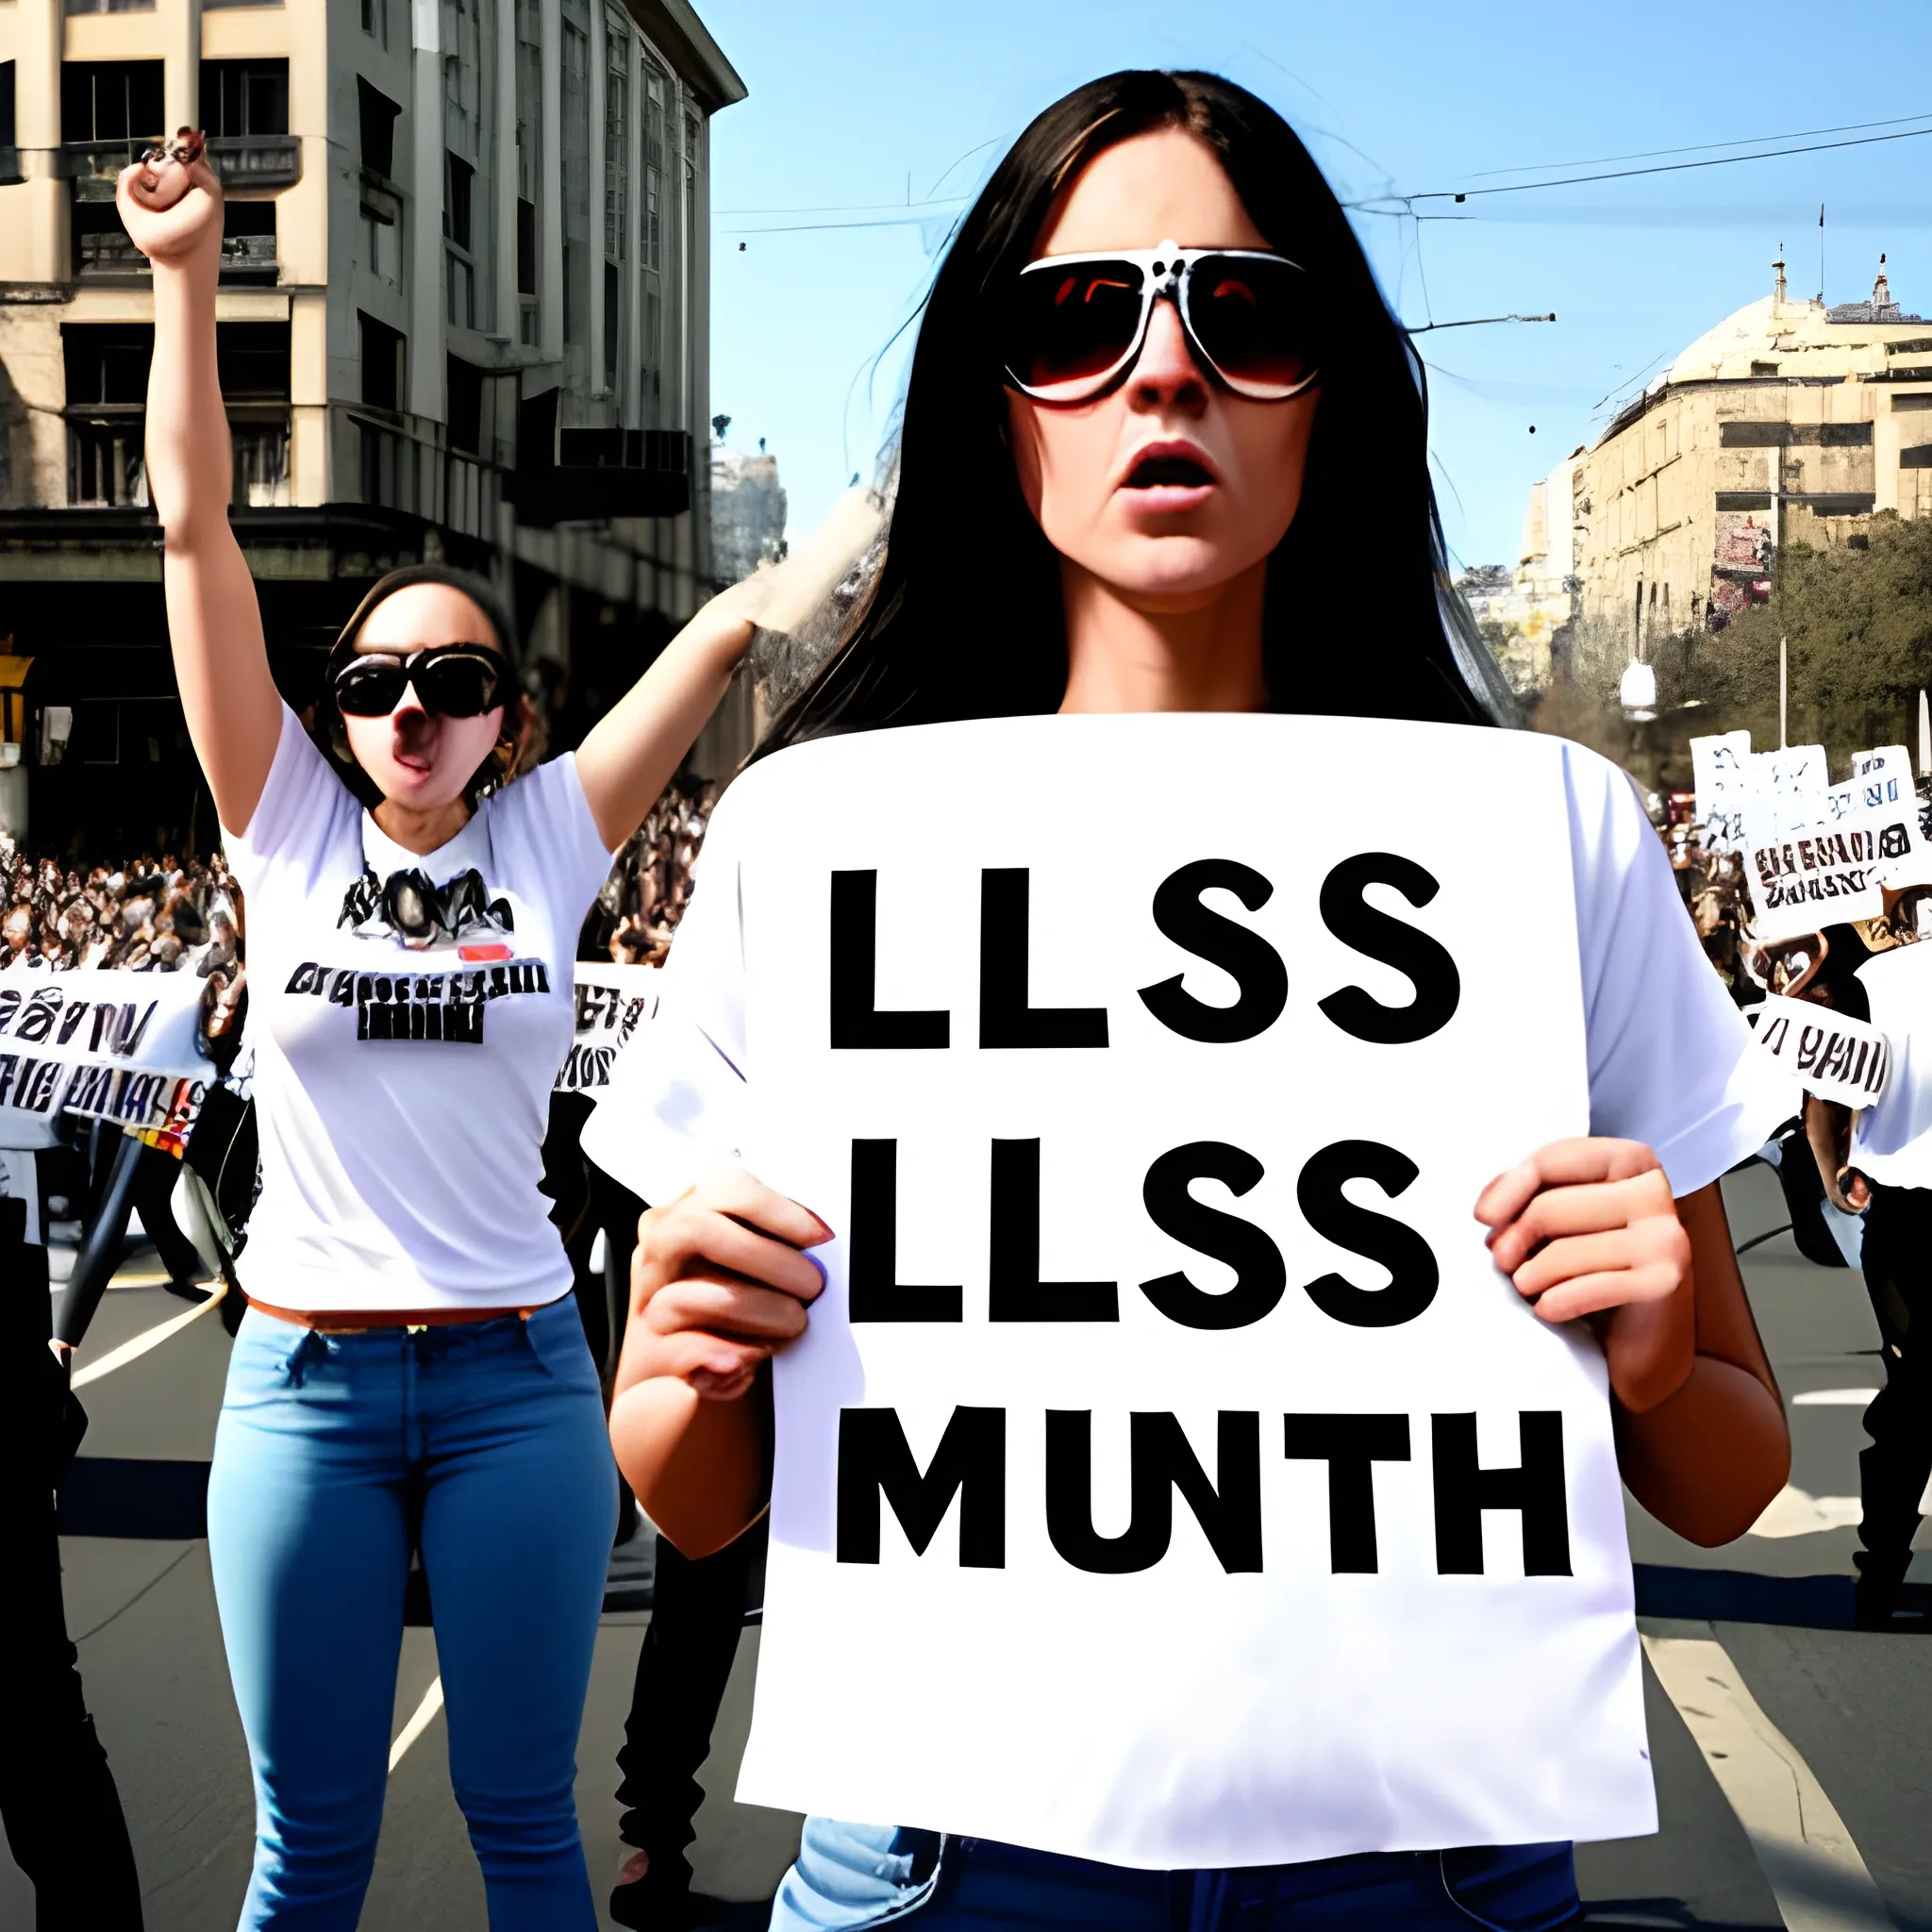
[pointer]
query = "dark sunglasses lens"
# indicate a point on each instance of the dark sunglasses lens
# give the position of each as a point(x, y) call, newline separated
point(458, 686)
point(1251, 317)
point(1066, 330)
point(369, 688)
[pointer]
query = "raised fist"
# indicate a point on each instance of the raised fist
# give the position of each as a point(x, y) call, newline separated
point(170, 202)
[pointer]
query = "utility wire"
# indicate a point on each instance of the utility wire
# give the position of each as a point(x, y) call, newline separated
point(1628, 174)
point(1701, 147)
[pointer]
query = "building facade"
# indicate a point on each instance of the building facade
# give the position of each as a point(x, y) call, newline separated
point(1790, 422)
point(463, 313)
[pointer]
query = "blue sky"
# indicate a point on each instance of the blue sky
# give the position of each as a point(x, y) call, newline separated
point(858, 107)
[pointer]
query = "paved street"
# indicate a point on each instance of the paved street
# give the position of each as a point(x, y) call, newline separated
point(1802, 1799)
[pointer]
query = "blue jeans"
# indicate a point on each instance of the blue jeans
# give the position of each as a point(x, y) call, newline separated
point(854, 1875)
point(485, 1442)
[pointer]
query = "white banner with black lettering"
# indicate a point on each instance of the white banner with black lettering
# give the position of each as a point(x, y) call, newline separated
point(614, 1003)
point(117, 1046)
point(1828, 1054)
point(1167, 1476)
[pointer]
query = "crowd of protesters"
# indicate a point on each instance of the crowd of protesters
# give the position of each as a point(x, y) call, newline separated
point(148, 915)
point(640, 903)
point(1710, 879)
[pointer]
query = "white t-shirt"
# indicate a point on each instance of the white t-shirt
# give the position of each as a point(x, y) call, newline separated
point(402, 1096)
point(1672, 1063)
point(1892, 1142)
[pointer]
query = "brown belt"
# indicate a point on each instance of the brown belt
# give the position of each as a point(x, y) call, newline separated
point(362, 1320)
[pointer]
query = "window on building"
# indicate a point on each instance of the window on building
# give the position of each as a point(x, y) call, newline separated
point(252, 361)
point(206, 4)
point(110, 6)
point(576, 183)
point(616, 147)
point(460, 179)
point(107, 362)
point(245, 97)
point(529, 90)
point(650, 349)
point(612, 313)
point(656, 84)
point(248, 240)
point(7, 121)
point(111, 100)
point(382, 363)
point(463, 383)
point(374, 20)
point(382, 237)
point(377, 114)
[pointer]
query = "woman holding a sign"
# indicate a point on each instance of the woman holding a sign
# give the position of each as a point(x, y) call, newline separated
point(411, 1371)
point(1163, 446)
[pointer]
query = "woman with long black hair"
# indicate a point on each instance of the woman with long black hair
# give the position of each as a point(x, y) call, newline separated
point(1164, 449)
point(411, 1369)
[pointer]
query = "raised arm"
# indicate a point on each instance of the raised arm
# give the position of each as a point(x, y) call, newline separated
point(631, 754)
point(173, 213)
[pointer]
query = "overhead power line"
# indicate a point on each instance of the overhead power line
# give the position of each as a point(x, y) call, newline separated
point(1701, 147)
point(1629, 174)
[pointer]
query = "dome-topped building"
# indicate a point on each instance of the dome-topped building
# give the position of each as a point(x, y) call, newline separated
point(1787, 422)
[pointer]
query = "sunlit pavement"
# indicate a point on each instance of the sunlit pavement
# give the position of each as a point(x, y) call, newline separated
point(1805, 1799)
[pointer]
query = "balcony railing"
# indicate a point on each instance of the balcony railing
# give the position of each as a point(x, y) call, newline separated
point(107, 468)
point(242, 160)
point(400, 471)
point(108, 255)
point(256, 161)
point(93, 166)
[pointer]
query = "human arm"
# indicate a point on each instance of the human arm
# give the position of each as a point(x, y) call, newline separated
point(173, 213)
point(1829, 1131)
point(629, 756)
point(718, 1284)
point(1588, 1229)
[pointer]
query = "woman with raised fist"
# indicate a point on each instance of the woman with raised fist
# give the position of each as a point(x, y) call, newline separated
point(411, 1372)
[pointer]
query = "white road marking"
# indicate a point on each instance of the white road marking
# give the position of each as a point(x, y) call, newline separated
point(1797, 1513)
point(432, 1702)
point(147, 1338)
point(1834, 1398)
point(1816, 1874)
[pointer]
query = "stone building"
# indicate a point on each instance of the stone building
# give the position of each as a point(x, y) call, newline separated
point(463, 312)
point(747, 514)
point(1790, 422)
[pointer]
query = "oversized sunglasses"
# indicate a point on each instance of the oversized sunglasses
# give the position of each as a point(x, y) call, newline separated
point(1070, 326)
point(454, 680)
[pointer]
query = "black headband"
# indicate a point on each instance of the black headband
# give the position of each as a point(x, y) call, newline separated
point(479, 590)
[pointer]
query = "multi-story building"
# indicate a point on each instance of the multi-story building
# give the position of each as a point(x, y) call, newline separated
point(463, 312)
point(1790, 422)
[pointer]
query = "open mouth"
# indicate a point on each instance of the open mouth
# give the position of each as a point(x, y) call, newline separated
point(1168, 473)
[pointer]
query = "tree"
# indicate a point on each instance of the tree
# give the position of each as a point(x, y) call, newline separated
point(1860, 627)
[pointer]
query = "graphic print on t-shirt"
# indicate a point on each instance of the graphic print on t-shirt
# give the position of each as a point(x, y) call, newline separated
point(459, 922)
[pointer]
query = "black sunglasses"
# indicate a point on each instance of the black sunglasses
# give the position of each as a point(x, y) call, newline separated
point(1070, 326)
point(454, 680)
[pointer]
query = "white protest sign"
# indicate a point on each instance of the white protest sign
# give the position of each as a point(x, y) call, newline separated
point(1802, 881)
point(109, 1045)
point(1786, 789)
point(1719, 767)
point(612, 1002)
point(1828, 1054)
point(1165, 1442)
point(1887, 757)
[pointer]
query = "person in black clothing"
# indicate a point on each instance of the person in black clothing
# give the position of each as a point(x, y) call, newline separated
point(57, 1800)
point(1896, 1463)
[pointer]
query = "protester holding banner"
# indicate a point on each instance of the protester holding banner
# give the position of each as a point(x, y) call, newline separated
point(1132, 482)
point(412, 1369)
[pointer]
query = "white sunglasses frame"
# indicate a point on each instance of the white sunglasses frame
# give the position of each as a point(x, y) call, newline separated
point(1165, 271)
